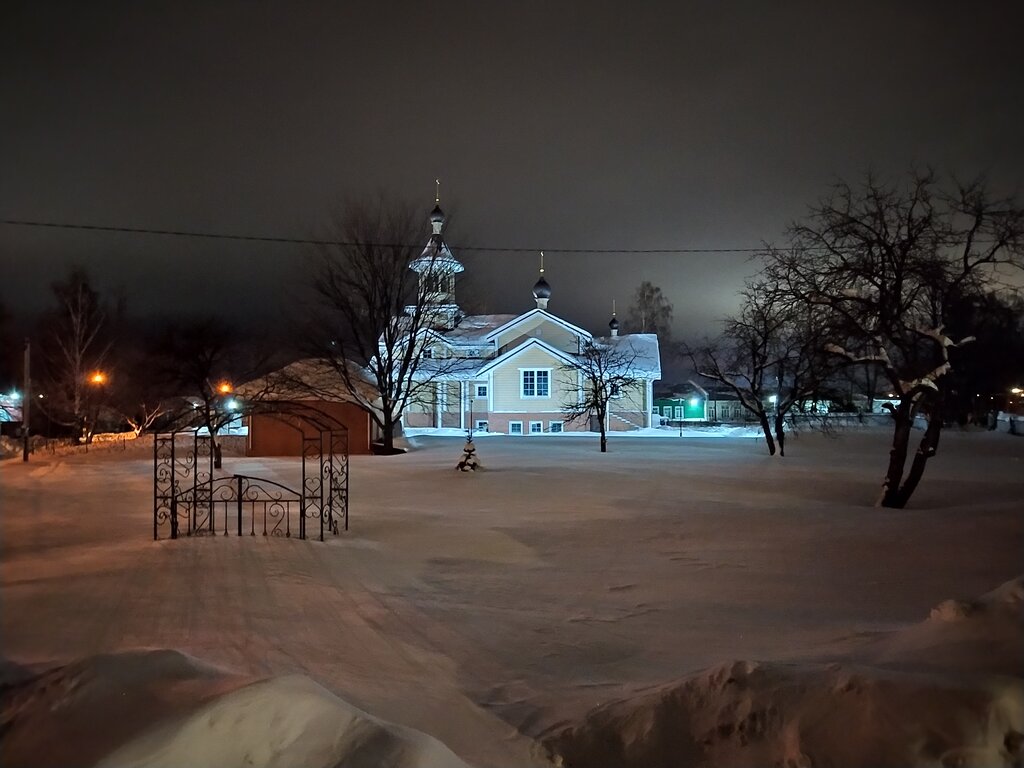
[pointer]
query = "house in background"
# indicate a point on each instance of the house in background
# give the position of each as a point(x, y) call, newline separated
point(687, 404)
point(513, 373)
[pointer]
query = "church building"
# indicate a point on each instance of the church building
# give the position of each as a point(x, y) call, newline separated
point(514, 373)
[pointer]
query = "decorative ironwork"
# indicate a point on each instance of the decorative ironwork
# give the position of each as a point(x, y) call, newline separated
point(186, 495)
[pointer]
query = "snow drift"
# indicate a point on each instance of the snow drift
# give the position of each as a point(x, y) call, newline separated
point(163, 708)
point(919, 700)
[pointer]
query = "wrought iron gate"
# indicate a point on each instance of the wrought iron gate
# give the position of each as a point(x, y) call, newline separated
point(188, 500)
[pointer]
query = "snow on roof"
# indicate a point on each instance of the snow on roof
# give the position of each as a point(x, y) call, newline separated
point(310, 379)
point(448, 368)
point(473, 329)
point(641, 348)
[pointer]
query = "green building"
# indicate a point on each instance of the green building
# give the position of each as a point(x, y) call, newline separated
point(691, 407)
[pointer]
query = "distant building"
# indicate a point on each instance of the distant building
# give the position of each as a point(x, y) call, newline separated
point(688, 404)
point(511, 373)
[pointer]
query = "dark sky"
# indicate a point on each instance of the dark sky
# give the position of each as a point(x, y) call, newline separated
point(550, 124)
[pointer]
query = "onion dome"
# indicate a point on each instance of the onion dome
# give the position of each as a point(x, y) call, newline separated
point(541, 289)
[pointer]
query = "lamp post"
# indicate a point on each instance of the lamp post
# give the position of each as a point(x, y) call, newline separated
point(224, 388)
point(26, 402)
point(97, 379)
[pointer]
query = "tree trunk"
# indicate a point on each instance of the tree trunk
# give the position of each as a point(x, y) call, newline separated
point(602, 419)
point(926, 449)
point(780, 432)
point(904, 421)
point(387, 436)
point(767, 429)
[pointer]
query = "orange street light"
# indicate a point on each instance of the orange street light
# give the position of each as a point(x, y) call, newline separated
point(99, 378)
point(225, 388)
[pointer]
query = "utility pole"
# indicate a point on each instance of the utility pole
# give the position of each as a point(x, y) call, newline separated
point(26, 402)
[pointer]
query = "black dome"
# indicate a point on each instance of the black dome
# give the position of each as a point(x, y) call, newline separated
point(437, 215)
point(613, 324)
point(541, 289)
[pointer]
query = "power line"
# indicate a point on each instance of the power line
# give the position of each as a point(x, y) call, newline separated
point(315, 241)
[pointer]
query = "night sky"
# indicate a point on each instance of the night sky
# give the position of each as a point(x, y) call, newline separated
point(551, 125)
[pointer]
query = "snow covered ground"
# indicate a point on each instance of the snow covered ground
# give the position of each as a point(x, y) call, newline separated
point(556, 601)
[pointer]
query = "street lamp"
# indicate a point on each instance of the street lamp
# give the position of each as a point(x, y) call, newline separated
point(98, 378)
point(225, 388)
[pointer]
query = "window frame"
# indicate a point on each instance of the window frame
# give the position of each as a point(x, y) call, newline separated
point(476, 391)
point(536, 382)
point(539, 430)
point(553, 424)
point(515, 424)
point(484, 428)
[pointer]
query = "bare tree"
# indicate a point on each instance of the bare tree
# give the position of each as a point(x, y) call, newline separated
point(889, 263)
point(770, 355)
point(606, 369)
point(140, 389)
point(650, 312)
point(203, 360)
point(374, 314)
point(75, 345)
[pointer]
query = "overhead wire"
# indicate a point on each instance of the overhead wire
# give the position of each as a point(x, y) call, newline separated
point(343, 243)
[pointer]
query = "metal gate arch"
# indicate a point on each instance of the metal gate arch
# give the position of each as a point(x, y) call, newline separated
point(189, 500)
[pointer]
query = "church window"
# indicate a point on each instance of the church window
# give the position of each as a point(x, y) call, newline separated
point(536, 382)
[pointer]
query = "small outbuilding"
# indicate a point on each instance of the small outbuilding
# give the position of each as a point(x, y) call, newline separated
point(309, 384)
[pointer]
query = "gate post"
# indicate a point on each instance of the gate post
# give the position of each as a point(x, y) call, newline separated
point(302, 491)
point(323, 481)
point(174, 490)
point(239, 504)
point(155, 443)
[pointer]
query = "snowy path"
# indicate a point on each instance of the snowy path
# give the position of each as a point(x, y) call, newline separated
point(470, 606)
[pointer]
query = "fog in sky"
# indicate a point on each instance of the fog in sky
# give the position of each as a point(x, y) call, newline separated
point(551, 125)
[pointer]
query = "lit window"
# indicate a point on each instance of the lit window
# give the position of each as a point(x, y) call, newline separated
point(536, 383)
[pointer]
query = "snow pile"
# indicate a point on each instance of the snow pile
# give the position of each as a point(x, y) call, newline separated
point(923, 702)
point(982, 635)
point(163, 708)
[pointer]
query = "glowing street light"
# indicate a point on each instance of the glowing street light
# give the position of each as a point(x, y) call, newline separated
point(225, 388)
point(1016, 391)
point(98, 378)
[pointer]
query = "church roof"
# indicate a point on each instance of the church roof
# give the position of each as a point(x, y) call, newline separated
point(641, 348)
point(516, 319)
point(474, 329)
